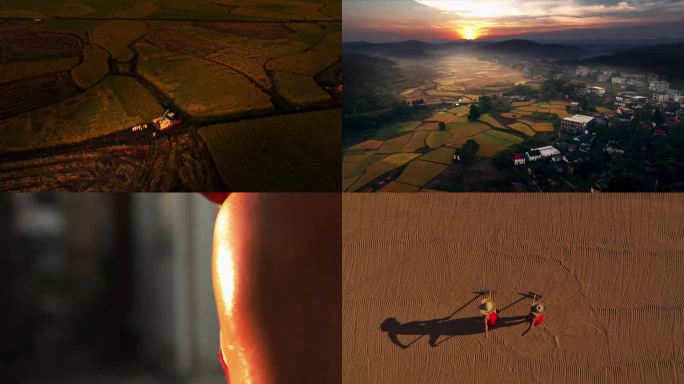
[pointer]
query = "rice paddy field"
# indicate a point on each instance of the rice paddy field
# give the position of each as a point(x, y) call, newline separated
point(494, 132)
point(461, 81)
point(609, 268)
point(465, 78)
point(79, 118)
point(73, 72)
point(288, 159)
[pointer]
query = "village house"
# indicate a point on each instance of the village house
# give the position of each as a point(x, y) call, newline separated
point(659, 86)
point(618, 80)
point(518, 159)
point(613, 147)
point(582, 71)
point(624, 114)
point(576, 123)
point(598, 91)
point(584, 141)
point(627, 99)
point(544, 153)
point(533, 155)
point(603, 182)
point(575, 159)
point(661, 98)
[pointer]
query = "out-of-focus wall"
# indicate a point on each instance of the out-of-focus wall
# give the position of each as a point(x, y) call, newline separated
point(107, 288)
point(175, 308)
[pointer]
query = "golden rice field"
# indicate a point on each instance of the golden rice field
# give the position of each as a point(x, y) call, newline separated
point(416, 142)
point(368, 144)
point(442, 155)
point(22, 70)
point(465, 78)
point(115, 104)
point(279, 140)
point(537, 126)
point(378, 169)
point(464, 128)
point(394, 145)
point(437, 139)
point(522, 128)
point(93, 68)
point(420, 172)
point(487, 119)
point(394, 186)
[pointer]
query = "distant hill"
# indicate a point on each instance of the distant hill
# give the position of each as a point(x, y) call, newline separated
point(366, 81)
point(420, 49)
point(374, 83)
point(665, 59)
point(520, 47)
point(405, 49)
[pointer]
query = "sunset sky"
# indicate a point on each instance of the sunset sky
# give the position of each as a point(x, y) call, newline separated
point(430, 20)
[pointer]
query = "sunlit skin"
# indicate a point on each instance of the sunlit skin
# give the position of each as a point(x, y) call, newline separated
point(276, 277)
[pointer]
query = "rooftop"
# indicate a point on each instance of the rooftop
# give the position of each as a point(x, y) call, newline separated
point(548, 151)
point(582, 119)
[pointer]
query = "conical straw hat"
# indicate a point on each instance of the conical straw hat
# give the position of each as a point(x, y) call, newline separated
point(537, 308)
point(486, 306)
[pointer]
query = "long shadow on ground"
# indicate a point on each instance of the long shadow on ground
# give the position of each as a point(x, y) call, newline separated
point(445, 326)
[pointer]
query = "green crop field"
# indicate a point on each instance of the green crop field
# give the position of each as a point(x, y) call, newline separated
point(419, 172)
point(381, 167)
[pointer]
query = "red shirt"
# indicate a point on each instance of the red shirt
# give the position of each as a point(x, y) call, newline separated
point(491, 318)
point(536, 320)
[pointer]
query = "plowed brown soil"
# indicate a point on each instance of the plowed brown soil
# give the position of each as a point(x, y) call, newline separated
point(121, 162)
point(610, 268)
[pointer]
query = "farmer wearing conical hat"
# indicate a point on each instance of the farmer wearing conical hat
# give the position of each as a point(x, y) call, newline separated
point(488, 310)
point(536, 315)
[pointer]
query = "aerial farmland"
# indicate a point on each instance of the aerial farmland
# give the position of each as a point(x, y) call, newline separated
point(143, 95)
point(608, 268)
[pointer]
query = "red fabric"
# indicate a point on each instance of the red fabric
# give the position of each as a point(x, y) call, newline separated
point(491, 318)
point(223, 365)
point(217, 197)
point(536, 320)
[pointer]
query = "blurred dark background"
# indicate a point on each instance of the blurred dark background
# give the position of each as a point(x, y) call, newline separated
point(107, 288)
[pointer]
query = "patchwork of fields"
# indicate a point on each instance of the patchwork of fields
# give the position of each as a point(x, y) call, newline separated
point(87, 69)
point(428, 151)
point(465, 78)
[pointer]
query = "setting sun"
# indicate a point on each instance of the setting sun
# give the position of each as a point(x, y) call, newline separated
point(470, 33)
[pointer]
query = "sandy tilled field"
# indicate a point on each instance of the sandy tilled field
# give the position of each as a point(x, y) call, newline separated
point(610, 267)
